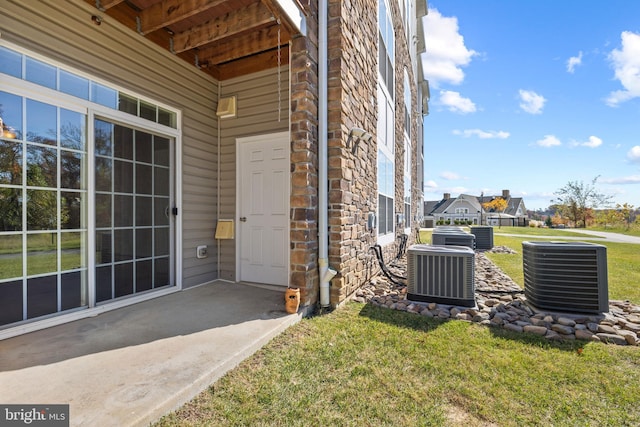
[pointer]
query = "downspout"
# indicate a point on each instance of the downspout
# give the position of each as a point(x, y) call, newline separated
point(325, 273)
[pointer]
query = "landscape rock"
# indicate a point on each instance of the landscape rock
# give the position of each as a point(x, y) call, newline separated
point(566, 321)
point(612, 339)
point(631, 337)
point(562, 329)
point(538, 330)
point(512, 327)
point(583, 334)
point(501, 303)
point(606, 329)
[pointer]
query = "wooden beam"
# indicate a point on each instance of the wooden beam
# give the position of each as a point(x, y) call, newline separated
point(108, 4)
point(168, 12)
point(251, 18)
point(238, 47)
point(253, 64)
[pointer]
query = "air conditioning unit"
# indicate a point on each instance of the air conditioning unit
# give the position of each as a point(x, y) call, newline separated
point(448, 228)
point(566, 276)
point(453, 238)
point(441, 274)
point(484, 236)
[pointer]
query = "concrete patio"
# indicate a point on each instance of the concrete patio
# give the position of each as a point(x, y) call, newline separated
point(130, 366)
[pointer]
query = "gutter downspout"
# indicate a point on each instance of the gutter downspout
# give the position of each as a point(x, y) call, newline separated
point(325, 273)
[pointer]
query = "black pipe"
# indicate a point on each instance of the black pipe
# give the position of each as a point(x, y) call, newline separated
point(378, 250)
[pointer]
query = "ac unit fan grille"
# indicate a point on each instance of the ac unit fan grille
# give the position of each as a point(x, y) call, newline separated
point(484, 237)
point(566, 277)
point(444, 276)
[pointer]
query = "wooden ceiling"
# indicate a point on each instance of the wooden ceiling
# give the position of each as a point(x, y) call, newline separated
point(224, 38)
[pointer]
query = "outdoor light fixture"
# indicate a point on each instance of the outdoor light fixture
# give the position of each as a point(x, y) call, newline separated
point(355, 136)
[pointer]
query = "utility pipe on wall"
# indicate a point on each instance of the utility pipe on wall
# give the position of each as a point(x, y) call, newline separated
point(325, 273)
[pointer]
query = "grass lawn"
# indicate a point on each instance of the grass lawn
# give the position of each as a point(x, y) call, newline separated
point(367, 366)
point(363, 365)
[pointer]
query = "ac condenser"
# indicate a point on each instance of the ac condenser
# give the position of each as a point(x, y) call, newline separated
point(566, 276)
point(441, 274)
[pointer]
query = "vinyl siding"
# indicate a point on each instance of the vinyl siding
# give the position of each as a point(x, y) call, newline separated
point(62, 30)
point(257, 113)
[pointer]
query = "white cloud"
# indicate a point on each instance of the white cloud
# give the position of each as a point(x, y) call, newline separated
point(593, 142)
point(482, 134)
point(626, 65)
point(430, 184)
point(456, 103)
point(634, 154)
point(548, 141)
point(573, 62)
point(633, 179)
point(445, 50)
point(531, 102)
point(449, 175)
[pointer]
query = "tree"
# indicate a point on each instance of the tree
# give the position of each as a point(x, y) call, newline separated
point(577, 197)
point(625, 212)
point(497, 204)
point(608, 217)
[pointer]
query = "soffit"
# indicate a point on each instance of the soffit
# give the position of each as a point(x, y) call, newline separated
point(224, 38)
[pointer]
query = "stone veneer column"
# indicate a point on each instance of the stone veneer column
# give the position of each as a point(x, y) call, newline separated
point(304, 161)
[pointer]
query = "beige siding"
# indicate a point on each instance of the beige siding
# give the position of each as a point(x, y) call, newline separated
point(63, 31)
point(257, 100)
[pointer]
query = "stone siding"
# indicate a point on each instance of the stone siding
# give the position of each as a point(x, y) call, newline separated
point(304, 161)
point(352, 100)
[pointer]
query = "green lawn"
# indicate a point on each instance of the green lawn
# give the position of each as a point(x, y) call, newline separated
point(367, 366)
point(363, 365)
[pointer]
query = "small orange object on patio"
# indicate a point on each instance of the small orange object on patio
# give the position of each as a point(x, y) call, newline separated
point(292, 300)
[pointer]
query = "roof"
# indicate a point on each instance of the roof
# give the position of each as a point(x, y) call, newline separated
point(433, 207)
point(513, 204)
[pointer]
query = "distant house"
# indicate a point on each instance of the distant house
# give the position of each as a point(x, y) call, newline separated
point(467, 209)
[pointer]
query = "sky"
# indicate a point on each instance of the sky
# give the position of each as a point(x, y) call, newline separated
point(531, 95)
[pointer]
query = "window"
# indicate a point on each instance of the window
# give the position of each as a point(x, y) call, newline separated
point(462, 210)
point(85, 191)
point(407, 104)
point(407, 151)
point(386, 168)
point(43, 221)
point(405, 7)
point(24, 67)
point(386, 47)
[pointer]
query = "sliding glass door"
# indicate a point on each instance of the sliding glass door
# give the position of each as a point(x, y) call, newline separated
point(87, 188)
point(133, 205)
point(45, 192)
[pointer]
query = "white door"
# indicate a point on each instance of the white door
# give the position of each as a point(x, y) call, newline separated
point(263, 208)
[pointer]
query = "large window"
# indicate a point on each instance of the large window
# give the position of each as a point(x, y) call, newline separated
point(43, 222)
point(407, 152)
point(386, 47)
point(386, 127)
point(386, 166)
point(25, 67)
point(85, 200)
